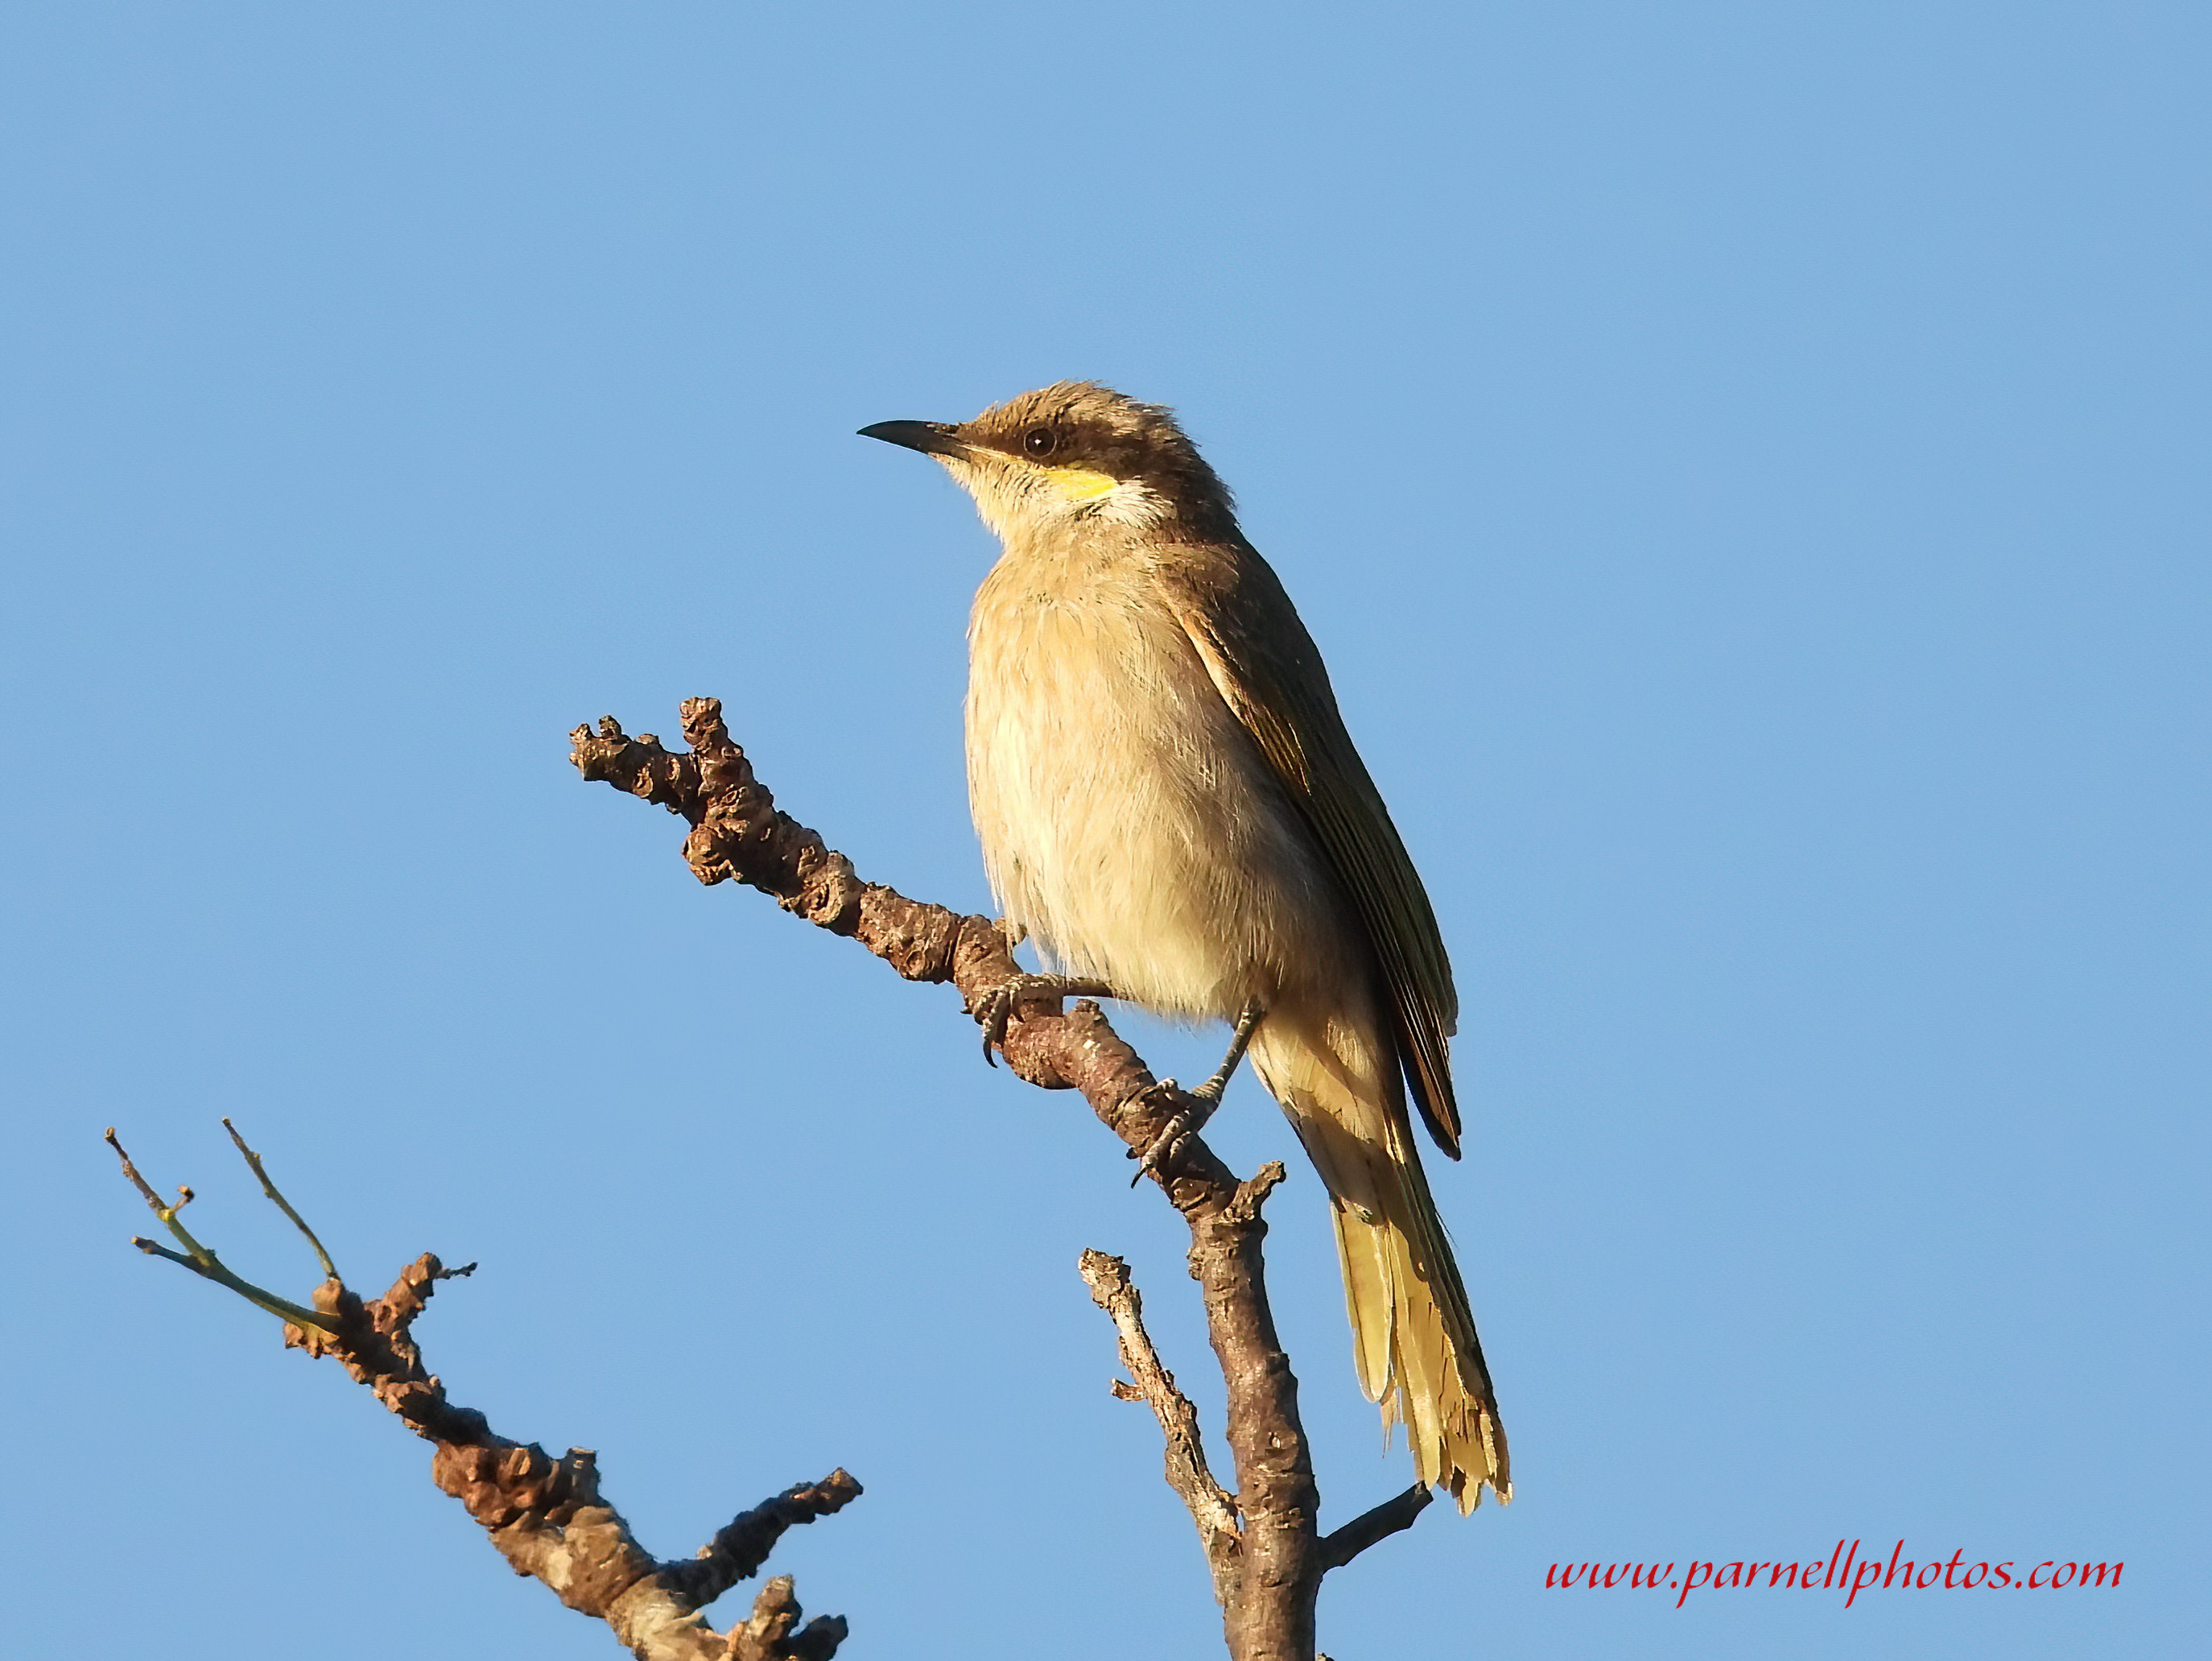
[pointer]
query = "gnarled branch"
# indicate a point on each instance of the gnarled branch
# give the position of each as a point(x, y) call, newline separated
point(1266, 1553)
point(546, 1516)
point(1212, 1506)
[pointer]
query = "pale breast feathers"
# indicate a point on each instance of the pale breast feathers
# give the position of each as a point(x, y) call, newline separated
point(1127, 821)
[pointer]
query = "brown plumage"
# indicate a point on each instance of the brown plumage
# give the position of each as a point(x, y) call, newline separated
point(1168, 800)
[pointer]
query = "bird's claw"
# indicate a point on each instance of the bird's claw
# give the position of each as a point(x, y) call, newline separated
point(1179, 1128)
point(997, 1008)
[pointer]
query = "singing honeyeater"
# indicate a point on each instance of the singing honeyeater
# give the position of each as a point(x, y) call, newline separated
point(1169, 803)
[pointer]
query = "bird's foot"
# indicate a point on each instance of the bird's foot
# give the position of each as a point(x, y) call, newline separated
point(1200, 1103)
point(999, 1004)
point(1203, 1100)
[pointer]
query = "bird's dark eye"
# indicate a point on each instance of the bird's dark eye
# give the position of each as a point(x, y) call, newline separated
point(1040, 441)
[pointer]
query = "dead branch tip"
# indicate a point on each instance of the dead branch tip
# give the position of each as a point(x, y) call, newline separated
point(1341, 1546)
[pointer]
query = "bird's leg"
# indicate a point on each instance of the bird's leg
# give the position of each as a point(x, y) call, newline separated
point(1207, 1095)
point(1247, 1022)
point(998, 1005)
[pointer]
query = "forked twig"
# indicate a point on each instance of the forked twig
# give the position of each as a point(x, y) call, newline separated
point(1212, 1506)
point(202, 1262)
point(253, 1162)
point(545, 1516)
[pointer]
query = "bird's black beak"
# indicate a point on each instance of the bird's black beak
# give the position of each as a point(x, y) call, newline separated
point(933, 438)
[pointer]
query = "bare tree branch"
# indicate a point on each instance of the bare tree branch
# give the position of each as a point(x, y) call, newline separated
point(1268, 1569)
point(269, 1191)
point(769, 1635)
point(1212, 1506)
point(545, 1516)
point(1339, 1546)
point(737, 833)
point(202, 1262)
point(737, 1551)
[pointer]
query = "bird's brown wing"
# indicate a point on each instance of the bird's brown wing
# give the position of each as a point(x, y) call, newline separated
point(1265, 665)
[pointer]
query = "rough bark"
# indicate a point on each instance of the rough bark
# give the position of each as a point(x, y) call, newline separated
point(546, 1516)
point(1212, 1506)
point(1262, 1543)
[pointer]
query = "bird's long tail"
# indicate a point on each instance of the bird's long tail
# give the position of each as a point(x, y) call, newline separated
point(1412, 1333)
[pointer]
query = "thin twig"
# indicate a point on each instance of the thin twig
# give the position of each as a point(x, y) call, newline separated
point(253, 1161)
point(203, 1262)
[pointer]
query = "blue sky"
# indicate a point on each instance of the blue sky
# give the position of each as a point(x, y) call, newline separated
point(1743, 464)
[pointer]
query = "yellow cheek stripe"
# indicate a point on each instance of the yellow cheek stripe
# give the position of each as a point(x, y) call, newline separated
point(1069, 483)
point(1078, 484)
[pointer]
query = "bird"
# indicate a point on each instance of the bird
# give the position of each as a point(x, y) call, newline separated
point(1171, 809)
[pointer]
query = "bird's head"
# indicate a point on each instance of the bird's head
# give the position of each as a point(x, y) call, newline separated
point(1073, 453)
